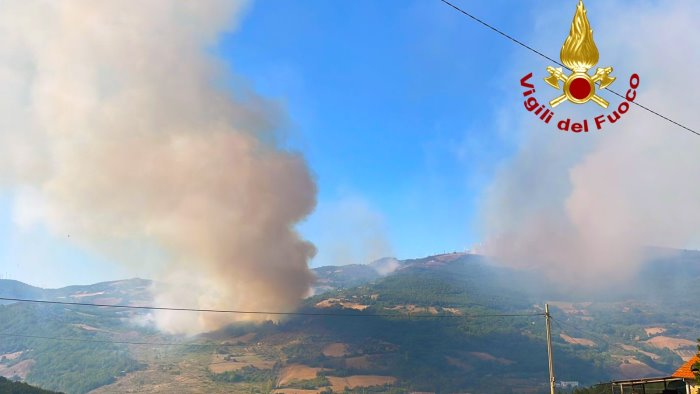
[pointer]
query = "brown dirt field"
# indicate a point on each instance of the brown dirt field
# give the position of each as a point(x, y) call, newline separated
point(354, 305)
point(328, 303)
point(651, 331)
point(11, 356)
point(359, 362)
point(332, 302)
point(335, 350)
point(296, 391)
point(339, 384)
point(670, 343)
point(20, 369)
point(489, 357)
point(637, 369)
point(636, 349)
point(297, 372)
point(577, 341)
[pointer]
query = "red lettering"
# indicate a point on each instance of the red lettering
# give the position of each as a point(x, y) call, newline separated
point(634, 81)
point(614, 117)
point(531, 103)
point(524, 83)
point(625, 105)
point(563, 125)
point(599, 120)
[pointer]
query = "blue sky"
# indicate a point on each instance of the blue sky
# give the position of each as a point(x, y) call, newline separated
point(391, 102)
point(397, 106)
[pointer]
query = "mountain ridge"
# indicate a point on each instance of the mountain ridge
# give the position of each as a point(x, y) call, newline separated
point(398, 352)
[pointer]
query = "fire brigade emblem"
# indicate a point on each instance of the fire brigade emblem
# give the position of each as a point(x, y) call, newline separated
point(579, 53)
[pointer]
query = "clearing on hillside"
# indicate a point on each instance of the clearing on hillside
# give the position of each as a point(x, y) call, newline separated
point(297, 372)
point(651, 331)
point(11, 356)
point(220, 364)
point(20, 369)
point(631, 368)
point(670, 343)
point(577, 341)
point(339, 384)
point(335, 350)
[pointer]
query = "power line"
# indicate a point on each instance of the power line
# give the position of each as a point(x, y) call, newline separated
point(515, 40)
point(655, 113)
point(590, 334)
point(107, 341)
point(330, 314)
point(522, 44)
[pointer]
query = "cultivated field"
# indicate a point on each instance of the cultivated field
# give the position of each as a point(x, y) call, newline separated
point(577, 341)
point(631, 368)
point(297, 372)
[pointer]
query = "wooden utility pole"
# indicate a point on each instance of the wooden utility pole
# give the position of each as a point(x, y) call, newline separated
point(548, 321)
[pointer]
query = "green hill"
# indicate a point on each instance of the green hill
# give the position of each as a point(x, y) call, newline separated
point(413, 328)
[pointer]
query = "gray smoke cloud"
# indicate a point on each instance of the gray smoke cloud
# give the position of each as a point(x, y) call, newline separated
point(114, 131)
point(583, 207)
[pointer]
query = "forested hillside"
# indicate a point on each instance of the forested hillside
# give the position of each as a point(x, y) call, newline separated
point(445, 323)
point(9, 387)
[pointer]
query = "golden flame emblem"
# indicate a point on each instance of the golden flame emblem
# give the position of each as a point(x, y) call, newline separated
point(579, 53)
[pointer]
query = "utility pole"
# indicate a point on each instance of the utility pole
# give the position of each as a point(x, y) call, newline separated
point(547, 318)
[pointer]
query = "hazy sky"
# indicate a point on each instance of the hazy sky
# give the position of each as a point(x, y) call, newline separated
point(403, 109)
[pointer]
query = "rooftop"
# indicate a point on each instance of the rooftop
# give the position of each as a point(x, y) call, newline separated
point(685, 371)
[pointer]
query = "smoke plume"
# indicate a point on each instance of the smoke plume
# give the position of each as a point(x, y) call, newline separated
point(582, 207)
point(350, 231)
point(114, 131)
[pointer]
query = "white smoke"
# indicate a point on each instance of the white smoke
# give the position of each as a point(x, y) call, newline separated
point(582, 207)
point(114, 131)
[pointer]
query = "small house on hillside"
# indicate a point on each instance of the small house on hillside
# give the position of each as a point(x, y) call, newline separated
point(688, 372)
point(683, 381)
